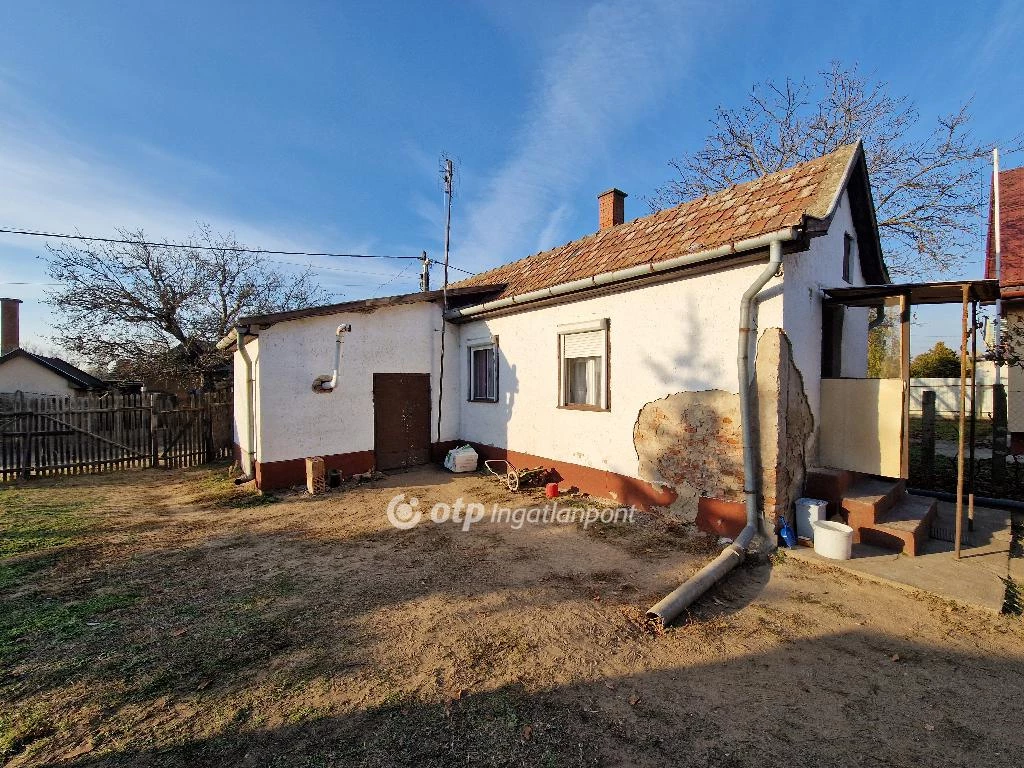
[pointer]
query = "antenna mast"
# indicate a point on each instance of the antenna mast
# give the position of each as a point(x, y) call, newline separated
point(449, 177)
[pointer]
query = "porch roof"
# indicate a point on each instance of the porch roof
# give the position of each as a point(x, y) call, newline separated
point(951, 292)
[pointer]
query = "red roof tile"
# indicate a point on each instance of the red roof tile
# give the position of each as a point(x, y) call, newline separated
point(772, 202)
point(1011, 225)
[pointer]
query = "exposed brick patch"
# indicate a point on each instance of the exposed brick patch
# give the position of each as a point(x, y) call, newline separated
point(692, 441)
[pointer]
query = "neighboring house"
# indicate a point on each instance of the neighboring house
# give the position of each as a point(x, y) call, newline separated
point(33, 374)
point(1011, 283)
point(612, 359)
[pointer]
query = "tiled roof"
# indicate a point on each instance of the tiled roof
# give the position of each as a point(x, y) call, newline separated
point(1011, 235)
point(765, 205)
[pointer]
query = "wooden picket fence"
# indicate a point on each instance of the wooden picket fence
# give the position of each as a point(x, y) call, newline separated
point(47, 435)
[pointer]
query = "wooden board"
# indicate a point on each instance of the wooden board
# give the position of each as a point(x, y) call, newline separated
point(862, 426)
point(401, 419)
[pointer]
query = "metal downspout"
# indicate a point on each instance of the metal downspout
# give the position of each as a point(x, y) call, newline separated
point(250, 409)
point(686, 593)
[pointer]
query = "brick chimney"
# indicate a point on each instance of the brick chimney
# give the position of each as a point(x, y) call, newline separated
point(611, 208)
point(9, 332)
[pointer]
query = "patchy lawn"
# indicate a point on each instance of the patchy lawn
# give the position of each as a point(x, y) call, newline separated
point(172, 619)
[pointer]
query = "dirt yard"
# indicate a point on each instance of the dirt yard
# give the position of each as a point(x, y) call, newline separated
point(165, 618)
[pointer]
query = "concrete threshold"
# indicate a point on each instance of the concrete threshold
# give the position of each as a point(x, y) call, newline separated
point(974, 579)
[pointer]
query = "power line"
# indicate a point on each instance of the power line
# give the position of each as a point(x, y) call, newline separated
point(233, 249)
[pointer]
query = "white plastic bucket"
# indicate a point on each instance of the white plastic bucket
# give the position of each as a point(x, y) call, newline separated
point(809, 511)
point(833, 540)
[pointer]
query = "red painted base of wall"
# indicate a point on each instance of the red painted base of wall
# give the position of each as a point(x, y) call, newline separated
point(285, 474)
point(1017, 442)
point(597, 482)
point(720, 517)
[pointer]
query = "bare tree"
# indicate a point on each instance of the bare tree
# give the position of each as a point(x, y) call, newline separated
point(927, 188)
point(155, 311)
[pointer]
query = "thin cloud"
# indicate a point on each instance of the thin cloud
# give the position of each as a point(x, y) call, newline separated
point(602, 78)
point(53, 183)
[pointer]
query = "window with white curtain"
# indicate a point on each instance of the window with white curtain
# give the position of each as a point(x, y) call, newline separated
point(483, 371)
point(583, 352)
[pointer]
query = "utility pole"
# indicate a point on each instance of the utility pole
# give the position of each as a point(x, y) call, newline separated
point(448, 176)
point(425, 273)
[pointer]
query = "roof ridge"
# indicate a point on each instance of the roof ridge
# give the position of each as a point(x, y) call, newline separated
point(781, 199)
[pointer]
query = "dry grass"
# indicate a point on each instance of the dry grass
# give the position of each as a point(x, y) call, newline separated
point(174, 619)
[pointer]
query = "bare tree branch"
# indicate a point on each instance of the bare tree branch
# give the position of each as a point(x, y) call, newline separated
point(928, 189)
point(137, 310)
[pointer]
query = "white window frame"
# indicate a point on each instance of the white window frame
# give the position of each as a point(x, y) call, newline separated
point(603, 399)
point(473, 346)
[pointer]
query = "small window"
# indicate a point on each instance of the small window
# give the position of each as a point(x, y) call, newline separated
point(483, 371)
point(847, 257)
point(583, 357)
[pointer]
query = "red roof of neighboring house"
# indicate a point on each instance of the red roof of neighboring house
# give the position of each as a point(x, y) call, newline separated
point(1011, 225)
point(787, 198)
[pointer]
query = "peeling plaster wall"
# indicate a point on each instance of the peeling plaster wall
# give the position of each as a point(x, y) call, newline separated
point(692, 441)
point(785, 425)
point(664, 338)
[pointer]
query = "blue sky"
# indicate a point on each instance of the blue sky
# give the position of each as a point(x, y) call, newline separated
point(319, 126)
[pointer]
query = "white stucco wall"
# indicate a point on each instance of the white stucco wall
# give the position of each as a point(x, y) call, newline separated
point(677, 336)
point(672, 337)
point(807, 274)
point(19, 374)
point(295, 422)
point(664, 338)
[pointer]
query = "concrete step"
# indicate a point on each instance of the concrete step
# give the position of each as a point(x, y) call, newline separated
point(868, 500)
point(904, 528)
point(829, 485)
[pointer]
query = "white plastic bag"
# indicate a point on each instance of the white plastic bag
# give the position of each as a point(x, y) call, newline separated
point(461, 459)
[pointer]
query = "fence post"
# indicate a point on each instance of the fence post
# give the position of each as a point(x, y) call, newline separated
point(928, 438)
point(154, 443)
point(208, 427)
point(26, 449)
point(999, 436)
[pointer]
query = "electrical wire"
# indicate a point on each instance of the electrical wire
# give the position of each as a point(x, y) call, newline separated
point(233, 249)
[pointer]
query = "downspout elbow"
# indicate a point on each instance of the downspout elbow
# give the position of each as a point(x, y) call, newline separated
point(677, 601)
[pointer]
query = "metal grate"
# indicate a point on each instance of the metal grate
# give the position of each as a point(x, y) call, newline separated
point(948, 533)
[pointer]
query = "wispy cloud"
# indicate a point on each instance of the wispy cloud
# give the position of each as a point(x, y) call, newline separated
point(53, 182)
point(601, 79)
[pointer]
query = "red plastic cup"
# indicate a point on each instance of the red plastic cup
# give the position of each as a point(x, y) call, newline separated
point(551, 490)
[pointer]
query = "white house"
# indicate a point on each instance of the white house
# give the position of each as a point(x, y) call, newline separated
point(34, 374)
point(611, 359)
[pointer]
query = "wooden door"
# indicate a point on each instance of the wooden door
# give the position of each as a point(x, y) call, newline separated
point(401, 419)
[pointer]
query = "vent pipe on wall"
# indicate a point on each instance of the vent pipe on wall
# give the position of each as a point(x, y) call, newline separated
point(328, 383)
